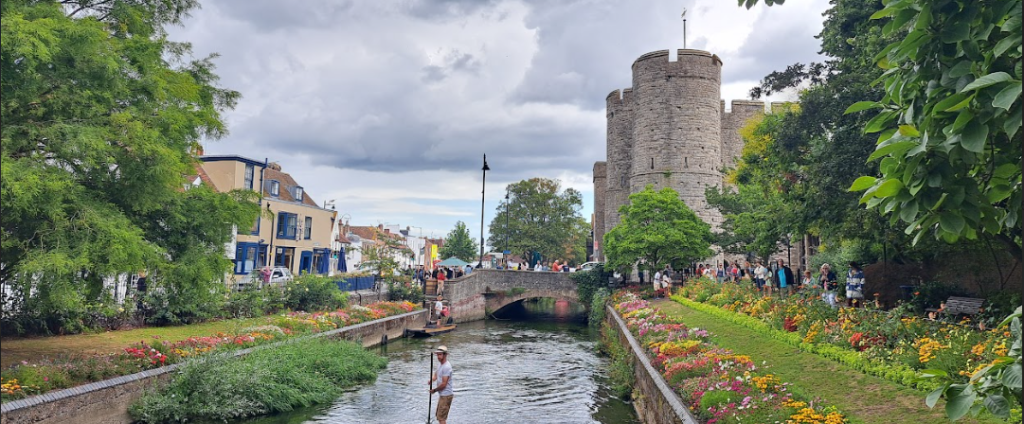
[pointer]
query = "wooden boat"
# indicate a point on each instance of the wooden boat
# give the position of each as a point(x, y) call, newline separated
point(430, 330)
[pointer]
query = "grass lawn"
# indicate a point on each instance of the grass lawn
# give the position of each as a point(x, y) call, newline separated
point(864, 398)
point(14, 349)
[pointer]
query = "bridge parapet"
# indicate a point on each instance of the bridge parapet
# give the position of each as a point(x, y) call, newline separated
point(469, 295)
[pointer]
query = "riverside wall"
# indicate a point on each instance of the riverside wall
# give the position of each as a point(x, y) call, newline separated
point(107, 401)
point(655, 402)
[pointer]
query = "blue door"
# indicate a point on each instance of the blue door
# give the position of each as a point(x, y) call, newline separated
point(306, 262)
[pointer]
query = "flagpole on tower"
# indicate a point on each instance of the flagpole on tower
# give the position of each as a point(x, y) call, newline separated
point(684, 27)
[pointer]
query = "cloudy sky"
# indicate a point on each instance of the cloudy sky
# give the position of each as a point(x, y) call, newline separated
point(387, 107)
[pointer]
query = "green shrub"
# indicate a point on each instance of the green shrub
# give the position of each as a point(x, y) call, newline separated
point(274, 379)
point(597, 307)
point(405, 291)
point(620, 368)
point(314, 293)
point(588, 282)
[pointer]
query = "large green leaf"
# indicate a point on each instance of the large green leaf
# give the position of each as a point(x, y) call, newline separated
point(862, 183)
point(951, 222)
point(1007, 96)
point(959, 401)
point(974, 136)
point(934, 396)
point(997, 405)
point(1012, 376)
point(889, 188)
point(987, 80)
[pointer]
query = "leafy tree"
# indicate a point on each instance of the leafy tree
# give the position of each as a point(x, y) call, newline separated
point(459, 244)
point(657, 229)
point(99, 115)
point(949, 145)
point(541, 218)
point(384, 253)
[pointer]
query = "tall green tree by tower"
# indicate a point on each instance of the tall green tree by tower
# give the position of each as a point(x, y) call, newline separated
point(657, 229)
point(459, 244)
point(100, 114)
point(540, 217)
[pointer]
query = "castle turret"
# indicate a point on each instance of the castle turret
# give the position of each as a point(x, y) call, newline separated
point(620, 152)
point(677, 126)
point(600, 188)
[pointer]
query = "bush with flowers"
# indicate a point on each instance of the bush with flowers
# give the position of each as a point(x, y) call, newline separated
point(895, 344)
point(720, 386)
point(26, 379)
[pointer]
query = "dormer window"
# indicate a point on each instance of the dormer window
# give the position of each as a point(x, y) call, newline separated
point(275, 188)
point(298, 194)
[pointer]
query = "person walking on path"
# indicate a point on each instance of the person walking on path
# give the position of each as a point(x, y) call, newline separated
point(828, 281)
point(444, 388)
point(760, 275)
point(854, 285)
point(785, 278)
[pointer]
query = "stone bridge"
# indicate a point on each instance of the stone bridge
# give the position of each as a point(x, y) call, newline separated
point(484, 291)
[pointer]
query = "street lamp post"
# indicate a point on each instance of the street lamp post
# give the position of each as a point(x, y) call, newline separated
point(270, 252)
point(507, 250)
point(483, 191)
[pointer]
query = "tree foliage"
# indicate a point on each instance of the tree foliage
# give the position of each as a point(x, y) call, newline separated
point(657, 229)
point(541, 218)
point(949, 147)
point(99, 115)
point(459, 244)
point(757, 211)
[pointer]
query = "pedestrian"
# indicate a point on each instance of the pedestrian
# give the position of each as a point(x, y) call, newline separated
point(445, 389)
point(760, 275)
point(785, 278)
point(734, 273)
point(556, 267)
point(854, 285)
point(438, 308)
point(441, 277)
point(827, 279)
point(666, 279)
point(807, 281)
point(720, 274)
point(468, 269)
point(538, 266)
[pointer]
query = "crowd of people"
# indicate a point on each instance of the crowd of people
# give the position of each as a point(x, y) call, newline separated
point(777, 277)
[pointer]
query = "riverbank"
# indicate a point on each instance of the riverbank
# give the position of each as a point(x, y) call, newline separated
point(866, 399)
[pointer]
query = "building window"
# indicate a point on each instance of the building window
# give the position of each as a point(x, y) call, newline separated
point(246, 257)
point(249, 171)
point(283, 257)
point(275, 188)
point(286, 225)
point(308, 228)
point(298, 194)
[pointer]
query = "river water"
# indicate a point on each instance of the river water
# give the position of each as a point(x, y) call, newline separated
point(538, 366)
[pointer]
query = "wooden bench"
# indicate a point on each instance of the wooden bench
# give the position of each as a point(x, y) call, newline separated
point(961, 305)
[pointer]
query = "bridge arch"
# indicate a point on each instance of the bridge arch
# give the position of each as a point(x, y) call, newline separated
point(475, 296)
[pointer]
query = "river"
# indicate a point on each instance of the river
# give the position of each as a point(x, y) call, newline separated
point(538, 366)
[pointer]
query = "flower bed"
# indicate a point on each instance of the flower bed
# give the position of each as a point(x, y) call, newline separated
point(892, 344)
point(719, 386)
point(26, 379)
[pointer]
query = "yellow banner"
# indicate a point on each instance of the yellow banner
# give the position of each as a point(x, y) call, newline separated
point(433, 251)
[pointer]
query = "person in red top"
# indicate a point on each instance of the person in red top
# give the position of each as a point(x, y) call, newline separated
point(556, 267)
point(440, 281)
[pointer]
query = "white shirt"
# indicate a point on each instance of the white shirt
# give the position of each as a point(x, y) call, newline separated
point(438, 306)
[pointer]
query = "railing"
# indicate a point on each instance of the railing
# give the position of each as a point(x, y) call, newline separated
point(356, 283)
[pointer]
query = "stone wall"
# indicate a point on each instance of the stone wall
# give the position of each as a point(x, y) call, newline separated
point(600, 187)
point(106, 402)
point(732, 122)
point(476, 295)
point(655, 402)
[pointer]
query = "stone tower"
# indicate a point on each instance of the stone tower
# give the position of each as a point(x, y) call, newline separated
point(600, 186)
point(671, 129)
point(677, 126)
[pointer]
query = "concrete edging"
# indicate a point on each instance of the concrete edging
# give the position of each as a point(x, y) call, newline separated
point(661, 404)
point(110, 398)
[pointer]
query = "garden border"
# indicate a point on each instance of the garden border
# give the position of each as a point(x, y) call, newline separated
point(658, 403)
point(896, 373)
point(106, 402)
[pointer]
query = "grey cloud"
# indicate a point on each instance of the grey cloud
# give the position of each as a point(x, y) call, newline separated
point(772, 45)
point(455, 61)
point(444, 10)
point(271, 15)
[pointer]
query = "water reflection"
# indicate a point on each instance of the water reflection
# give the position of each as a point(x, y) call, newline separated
point(537, 364)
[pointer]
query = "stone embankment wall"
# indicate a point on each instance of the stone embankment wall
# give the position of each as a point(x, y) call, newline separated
point(106, 402)
point(655, 402)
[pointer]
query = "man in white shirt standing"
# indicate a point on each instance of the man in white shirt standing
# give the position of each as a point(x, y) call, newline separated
point(444, 388)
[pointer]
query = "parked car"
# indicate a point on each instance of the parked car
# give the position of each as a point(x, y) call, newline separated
point(279, 276)
point(588, 265)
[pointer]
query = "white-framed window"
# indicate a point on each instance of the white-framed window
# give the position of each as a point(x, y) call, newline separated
point(298, 194)
point(275, 188)
point(250, 171)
